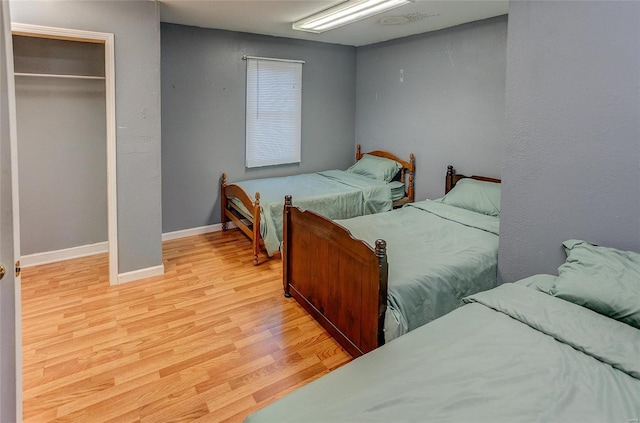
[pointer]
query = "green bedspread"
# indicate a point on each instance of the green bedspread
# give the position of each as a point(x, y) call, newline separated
point(513, 354)
point(437, 254)
point(335, 194)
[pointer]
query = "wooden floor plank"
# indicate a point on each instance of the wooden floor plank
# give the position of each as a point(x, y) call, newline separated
point(211, 340)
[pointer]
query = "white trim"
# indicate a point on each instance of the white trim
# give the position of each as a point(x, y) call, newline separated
point(141, 274)
point(60, 33)
point(64, 254)
point(193, 231)
point(110, 99)
point(112, 157)
point(168, 236)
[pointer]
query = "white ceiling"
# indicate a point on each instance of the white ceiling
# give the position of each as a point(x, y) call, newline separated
point(274, 17)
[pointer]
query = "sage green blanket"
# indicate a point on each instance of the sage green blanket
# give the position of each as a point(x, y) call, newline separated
point(335, 194)
point(512, 354)
point(437, 254)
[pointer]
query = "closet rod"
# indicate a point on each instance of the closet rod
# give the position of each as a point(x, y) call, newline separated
point(52, 75)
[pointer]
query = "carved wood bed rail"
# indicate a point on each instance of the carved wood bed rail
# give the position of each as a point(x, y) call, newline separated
point(341, 281)
point(452, 178)
point(235, 214)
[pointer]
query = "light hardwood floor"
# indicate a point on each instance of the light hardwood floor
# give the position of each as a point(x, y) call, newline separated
point(212, 340)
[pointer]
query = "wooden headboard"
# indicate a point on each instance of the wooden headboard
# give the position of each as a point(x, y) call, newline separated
point(452, 178)
point(406, 173)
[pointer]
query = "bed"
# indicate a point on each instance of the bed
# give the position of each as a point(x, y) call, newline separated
point(370, 279)
point(546, 349)
point(377, 182)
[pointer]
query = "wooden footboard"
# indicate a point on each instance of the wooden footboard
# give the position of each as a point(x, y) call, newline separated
point(339, 280)
point(231, 212)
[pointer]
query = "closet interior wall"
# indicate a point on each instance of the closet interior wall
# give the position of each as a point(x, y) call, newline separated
point(62, 156)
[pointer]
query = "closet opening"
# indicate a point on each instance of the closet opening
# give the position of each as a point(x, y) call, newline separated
point(65, 112)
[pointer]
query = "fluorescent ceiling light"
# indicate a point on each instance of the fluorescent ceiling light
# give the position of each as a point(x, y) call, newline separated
point(345, 13)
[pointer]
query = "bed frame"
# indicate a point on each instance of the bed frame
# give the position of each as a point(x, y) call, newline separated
point(249, 223)
point(341, 281)
point(405, 175)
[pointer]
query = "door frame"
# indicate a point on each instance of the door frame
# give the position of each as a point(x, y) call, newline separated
point(110, 96)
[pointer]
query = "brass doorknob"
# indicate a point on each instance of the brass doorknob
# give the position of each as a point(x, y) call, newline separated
point(3, 271)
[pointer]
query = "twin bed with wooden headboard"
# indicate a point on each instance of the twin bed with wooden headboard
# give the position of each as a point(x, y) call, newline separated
point(369, 279)
point(377, 182)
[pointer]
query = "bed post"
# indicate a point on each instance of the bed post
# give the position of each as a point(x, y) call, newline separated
point(358, 152)
point(285, 241)
point(448, 184)
point(256, 229)
point(223, 189)
point(381, 253)
point(412, 160)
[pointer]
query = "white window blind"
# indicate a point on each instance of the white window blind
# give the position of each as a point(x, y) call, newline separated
point(273, 112)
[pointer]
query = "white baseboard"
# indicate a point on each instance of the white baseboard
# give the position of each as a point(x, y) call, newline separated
point(140, 274)
point(196, 231)
point(103, 247)
point(65, 254)
point(193, 231)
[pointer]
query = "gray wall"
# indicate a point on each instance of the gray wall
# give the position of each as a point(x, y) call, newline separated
point(572, 150)
point(62, 163)
point(203, 126)
point(136, 25)
point(448, 110)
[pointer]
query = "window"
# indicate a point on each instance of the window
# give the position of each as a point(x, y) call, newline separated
point(273, 111)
